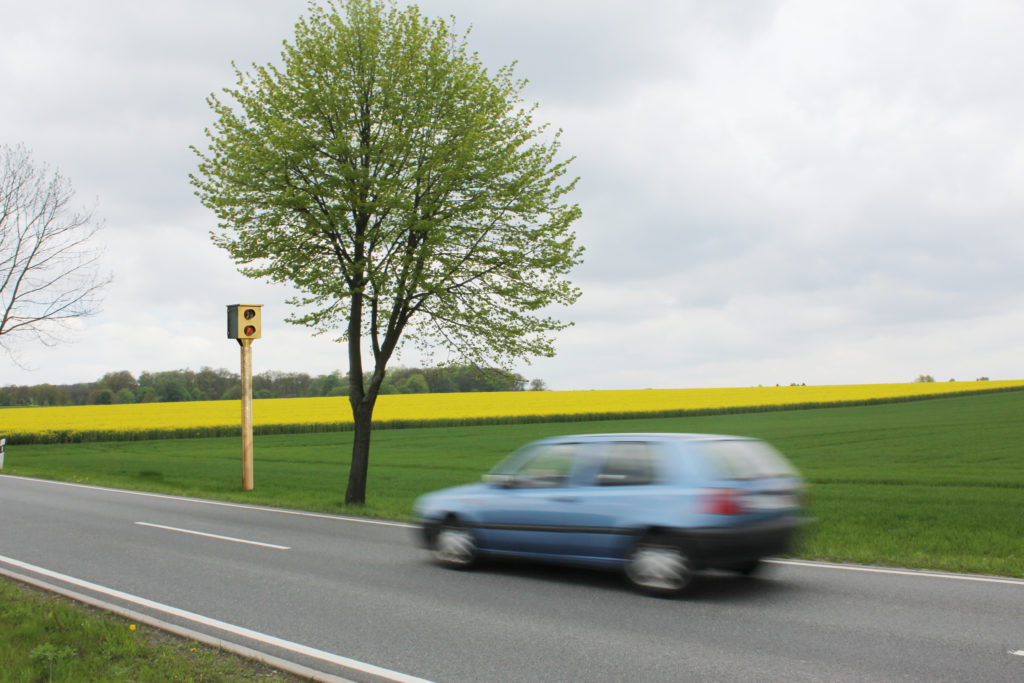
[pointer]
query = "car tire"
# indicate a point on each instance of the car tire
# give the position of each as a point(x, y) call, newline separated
point(750, 567)
point(455, 546)
point(659, 567)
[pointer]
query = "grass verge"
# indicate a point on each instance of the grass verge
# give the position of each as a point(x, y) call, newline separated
point(48, 638)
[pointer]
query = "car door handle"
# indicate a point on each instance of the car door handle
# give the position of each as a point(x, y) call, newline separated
point(565, 499)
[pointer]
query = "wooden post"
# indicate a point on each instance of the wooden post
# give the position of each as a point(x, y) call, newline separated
point(244, 327)
point(246, 345)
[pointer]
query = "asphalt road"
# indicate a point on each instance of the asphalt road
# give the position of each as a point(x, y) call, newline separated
point(360, 600)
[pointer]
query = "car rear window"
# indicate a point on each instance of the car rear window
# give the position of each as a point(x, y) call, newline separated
point(742, 459)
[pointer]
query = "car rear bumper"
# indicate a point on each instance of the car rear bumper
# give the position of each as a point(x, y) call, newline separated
point(722, 547)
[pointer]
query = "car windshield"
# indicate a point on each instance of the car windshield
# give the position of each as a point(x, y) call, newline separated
point(742, 459)
point(510, 465)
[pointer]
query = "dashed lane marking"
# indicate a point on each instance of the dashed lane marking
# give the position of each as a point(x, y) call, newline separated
point(216, 536)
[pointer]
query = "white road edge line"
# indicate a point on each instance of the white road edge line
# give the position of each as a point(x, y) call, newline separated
point(1019, 653)
point(900, 572)
point(219, 503)
point(217, 536)
point(180, 631)
point(274, 641)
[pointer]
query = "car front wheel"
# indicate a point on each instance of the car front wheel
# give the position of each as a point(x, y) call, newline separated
point(455, 546)
point(659, 568)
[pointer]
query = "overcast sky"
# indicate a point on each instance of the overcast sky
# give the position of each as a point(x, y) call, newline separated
point(772, 192)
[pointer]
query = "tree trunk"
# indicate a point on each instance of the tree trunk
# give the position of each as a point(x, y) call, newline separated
point(362, 404)
point(363, 418)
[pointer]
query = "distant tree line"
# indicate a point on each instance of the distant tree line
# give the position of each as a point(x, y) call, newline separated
point(929, 378)
point(210, 385)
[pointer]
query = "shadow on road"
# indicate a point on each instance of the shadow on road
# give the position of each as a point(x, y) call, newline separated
point(718, 587)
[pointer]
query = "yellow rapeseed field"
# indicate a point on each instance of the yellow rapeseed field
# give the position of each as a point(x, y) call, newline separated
point(149, 420)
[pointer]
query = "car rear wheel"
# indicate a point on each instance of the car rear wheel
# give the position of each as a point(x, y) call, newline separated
point(659, 567)
point(455, 546)
point(750, 567)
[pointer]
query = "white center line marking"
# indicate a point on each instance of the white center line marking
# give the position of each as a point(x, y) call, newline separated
point(202, 501)
point(217, 536)
point(1019, 653)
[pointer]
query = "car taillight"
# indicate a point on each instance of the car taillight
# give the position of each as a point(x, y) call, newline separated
point(720, 502)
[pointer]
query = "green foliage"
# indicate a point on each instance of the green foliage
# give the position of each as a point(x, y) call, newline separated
point(117, 381)
point(455, 378)
point(382, 166)
point(48, 654)
point(209, 384)
point(932, 484)
point(171, 390)
point(414, 384)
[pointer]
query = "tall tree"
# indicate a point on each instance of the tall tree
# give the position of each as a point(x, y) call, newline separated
point(402, 189)
point(49, 266)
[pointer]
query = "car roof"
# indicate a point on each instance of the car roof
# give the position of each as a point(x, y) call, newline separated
point(647, 436)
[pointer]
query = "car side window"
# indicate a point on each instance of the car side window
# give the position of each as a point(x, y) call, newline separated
point(549, 467)
point(629, 463)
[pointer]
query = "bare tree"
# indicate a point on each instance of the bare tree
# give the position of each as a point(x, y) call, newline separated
point(49, 268)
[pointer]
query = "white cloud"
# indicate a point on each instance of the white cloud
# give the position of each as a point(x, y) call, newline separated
point(772, 191)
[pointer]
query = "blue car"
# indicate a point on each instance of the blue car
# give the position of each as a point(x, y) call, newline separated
point(656, 506)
